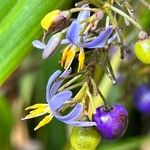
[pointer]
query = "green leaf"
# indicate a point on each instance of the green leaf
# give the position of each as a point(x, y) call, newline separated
point(6, 123)
point(5, 7)
point(18, 29)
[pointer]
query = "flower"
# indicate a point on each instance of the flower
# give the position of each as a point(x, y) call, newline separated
point(55, 102)
point(78, 41)
point(78, 37)
point(50, 47)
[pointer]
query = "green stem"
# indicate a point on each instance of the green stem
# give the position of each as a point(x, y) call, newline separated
point(69, 82)
point(72, 87)
point(74, 10)
point(107, 5)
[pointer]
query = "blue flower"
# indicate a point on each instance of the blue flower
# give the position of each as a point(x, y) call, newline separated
point(77, 41)
point(77, 38)
point(56, 101)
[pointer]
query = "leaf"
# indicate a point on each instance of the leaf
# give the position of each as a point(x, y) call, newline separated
point(6, 122)
point(5, 7)
point(18, 29)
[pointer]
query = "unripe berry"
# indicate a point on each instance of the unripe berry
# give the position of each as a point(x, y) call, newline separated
point(142, 50)
point(84, 138)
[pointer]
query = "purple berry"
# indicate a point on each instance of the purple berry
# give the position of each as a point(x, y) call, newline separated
point(141, 98)
point(111, 124)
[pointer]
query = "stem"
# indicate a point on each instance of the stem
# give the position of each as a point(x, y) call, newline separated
point(79, 4)
point(100, 94)
point(145, 3)
point(93, 108)
point(69, 82)
point(107, 5)
point(72, 87)
point(74, 10)
point(110, 67)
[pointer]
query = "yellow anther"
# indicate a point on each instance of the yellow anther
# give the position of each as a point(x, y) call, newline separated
point(37, 106)
point(37, 110)
point(45, 121)
point(49, 19)
point(81, 59)
point(64, 55)
point(70, 56)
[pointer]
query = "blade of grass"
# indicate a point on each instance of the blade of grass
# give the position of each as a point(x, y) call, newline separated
point(18, 29)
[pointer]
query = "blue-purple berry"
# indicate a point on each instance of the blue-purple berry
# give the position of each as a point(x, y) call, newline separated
point(141, 98)
point(112, 123)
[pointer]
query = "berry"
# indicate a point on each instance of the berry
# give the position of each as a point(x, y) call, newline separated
point(84, 138)
point(141, 98)
point(142, 50)
point(112, 123)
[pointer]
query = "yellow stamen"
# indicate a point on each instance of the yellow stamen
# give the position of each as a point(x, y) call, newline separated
point(36, 106)
point(64, 55)
point(45, 121)
point(81, 59)
point(49, 19)
point(38, 110)
point(70, 56)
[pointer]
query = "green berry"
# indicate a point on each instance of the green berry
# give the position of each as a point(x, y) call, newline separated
point(84, 138)
point(142, 50)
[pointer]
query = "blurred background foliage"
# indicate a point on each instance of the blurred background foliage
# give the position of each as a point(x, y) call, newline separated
point(23, 76)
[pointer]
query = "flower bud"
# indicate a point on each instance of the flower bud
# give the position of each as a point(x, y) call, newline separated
point(84, 138)
point(55, 20)
point(52, 44)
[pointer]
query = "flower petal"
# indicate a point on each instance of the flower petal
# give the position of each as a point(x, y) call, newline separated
point(50, 82)
point(51, 46)
point(59, 99)
point(56, 85)
point(38, 44)
point(65, 41)
point(112, 38)
point(100, 41)
point(81, 123)
point(83, 14)
point(74, 114)
point(74, 32)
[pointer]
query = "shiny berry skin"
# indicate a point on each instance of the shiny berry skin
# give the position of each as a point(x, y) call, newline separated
point(142, 50)
point(141, 98)
point(111, 124)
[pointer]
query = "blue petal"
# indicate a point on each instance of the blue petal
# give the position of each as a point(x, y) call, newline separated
point(59, 99)
point(73, 33)
point(83, 14)
point(38, 44)
point(50, 82)
point(100, 41)
point(56, 85)
point(65, 41)
point(51, 46)
point(74, 114)
point(112, 38)
point(81, 123)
